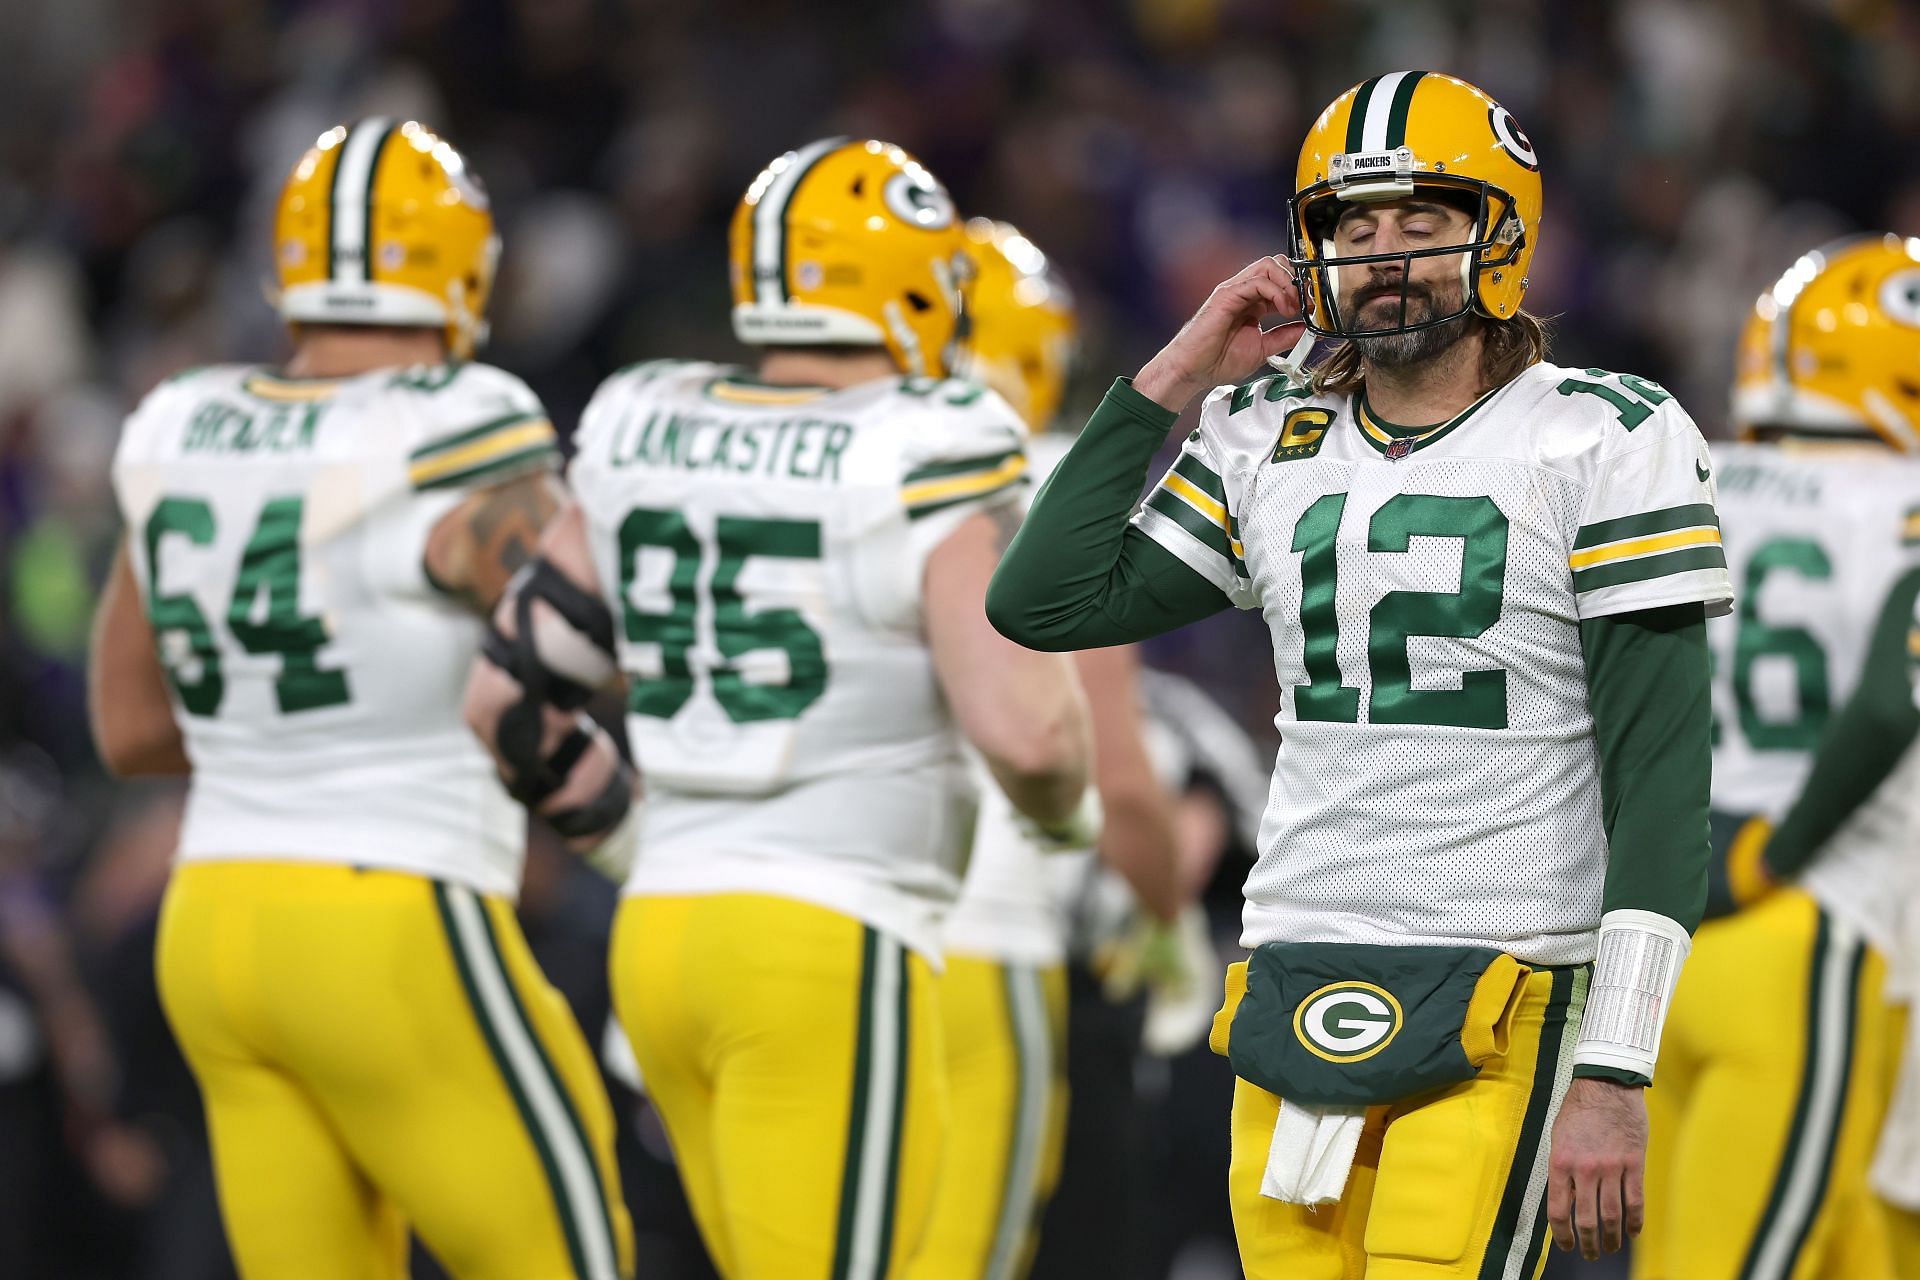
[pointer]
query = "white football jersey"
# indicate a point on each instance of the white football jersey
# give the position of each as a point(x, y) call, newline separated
point(277, 529)
point(1009, 908)
point(764, 548)
point(1815, 539)
point(1437, 781)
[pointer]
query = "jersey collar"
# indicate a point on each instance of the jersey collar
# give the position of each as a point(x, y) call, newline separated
point(1392, 440)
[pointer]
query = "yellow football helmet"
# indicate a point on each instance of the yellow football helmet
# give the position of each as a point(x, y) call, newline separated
point(383, 223)
point(852, 243)
point(1021, 324)
point(1409, 131)
point(1833, 348)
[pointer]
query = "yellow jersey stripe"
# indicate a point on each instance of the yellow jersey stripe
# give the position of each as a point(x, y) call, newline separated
point(1195, 498)
point(1701, 537)
point(267, 388)
point(523, 435)
point(721, 390)
point(965, 486)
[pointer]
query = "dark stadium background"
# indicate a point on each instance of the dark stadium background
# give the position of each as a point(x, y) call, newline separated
point(1690, 150)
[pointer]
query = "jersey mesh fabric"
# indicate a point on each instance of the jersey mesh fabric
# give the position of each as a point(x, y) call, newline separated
point(381, 770)
point(1479, 825)
point(845, 787)
point(1815, 538)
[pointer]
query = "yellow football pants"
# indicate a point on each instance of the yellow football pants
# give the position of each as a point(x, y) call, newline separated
point(1006, 1033)
point(378, 1051)
point(1903, 1238)
point(1449, 1185)
point(796, 1057)
point(1773, 1081)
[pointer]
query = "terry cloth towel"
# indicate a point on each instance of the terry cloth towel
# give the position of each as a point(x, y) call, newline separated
point(1312, 1153)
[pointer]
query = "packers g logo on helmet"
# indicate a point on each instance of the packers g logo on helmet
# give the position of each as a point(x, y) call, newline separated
point(1021, 330)
point(1833, 348)
point(1388, 137)
point(1347, 1021)
point(848, 242)
point(383, 223)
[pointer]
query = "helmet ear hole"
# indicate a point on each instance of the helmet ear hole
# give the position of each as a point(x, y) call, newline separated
point(859, 187)
point(918, 301)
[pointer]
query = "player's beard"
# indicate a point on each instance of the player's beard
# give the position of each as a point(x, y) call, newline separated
point(1400, 350)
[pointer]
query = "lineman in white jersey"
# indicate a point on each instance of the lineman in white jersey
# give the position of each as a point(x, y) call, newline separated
point(310, 554)
point(796, 559)
point(1004, 993)
point(1489, 633)
point(1781, 1040)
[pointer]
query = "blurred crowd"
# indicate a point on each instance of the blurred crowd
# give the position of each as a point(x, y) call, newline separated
point(1690, 149)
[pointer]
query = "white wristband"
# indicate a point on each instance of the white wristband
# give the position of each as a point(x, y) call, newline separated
point(1634, 974)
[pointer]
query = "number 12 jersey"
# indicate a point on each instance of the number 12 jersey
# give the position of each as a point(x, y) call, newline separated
point(1437, 780)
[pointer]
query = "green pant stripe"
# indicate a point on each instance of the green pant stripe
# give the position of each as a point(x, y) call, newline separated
point(603, 1210)
point(529, 1122)
point(1536, 1240)
point(889, 1205)
point(1402, 103)
point(1781, 1231)
point(857, 1110)
point(1027, 1024)
point(1847, 1046)
point(1533, 1127)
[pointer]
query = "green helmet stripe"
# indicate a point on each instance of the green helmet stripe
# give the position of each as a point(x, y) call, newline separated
point(1357, 117)
point(1397, 115)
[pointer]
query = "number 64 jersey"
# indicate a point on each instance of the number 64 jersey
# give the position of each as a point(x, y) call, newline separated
point(1437, 780)
point(763, 548)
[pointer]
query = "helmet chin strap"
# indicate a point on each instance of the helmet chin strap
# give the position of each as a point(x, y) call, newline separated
point(1294, 363)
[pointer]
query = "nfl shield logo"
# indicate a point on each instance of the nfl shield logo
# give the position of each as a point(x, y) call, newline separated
point(1399, 449)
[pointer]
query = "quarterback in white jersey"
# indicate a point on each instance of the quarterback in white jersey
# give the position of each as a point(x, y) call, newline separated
point(1489, 635)
point(311, 553)
point(1782, 1039)
point(795, 559)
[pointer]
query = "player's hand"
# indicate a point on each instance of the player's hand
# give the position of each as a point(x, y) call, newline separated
point(1595, 1198)
point(1224, 341)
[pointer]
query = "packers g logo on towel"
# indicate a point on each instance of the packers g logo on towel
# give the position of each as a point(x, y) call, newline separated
point(1347, 1021)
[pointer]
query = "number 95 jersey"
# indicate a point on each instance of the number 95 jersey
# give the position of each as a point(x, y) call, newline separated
point(1437, 780)
point(763, 548)
point(278, 529)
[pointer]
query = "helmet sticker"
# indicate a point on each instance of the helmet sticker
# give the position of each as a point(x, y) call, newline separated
point(1900, 297)
point(917, 200)
point(1512, 139)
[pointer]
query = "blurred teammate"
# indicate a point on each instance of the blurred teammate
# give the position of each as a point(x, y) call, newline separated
point(1004, 994)
point(790, 564)
point(310, 551)
point(1485, 842)
point(1779, 1047)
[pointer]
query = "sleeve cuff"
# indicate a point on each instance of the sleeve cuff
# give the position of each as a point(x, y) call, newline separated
point(1593, 1071)
point(1123, 401)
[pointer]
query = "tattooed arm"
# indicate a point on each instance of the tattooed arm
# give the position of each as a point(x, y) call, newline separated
point(1024, 711)
point(479, 545)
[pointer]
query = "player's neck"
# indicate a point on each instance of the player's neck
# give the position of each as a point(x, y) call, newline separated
point(822, 369)
point(1432, 391)
point(341, 351)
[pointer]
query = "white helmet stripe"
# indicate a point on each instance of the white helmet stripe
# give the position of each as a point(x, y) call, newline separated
point(352, 195)
point(770, 221)
point(1380, 110)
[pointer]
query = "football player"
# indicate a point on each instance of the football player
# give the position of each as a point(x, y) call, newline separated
point(1781, 1039)
point(1487, 579)
point(1004, 994)
point(789, 565)
point(311, 552)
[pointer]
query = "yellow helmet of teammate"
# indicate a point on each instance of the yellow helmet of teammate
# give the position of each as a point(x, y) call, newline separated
point(1833, 348)
point(383, 223)
point(847, 242)
point(1388, 137)
point(1021, 325)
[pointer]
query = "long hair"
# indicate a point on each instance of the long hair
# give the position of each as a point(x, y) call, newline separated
point(1509, 346)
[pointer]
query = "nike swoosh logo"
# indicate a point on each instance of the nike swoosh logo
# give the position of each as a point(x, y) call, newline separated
point(1702, 472)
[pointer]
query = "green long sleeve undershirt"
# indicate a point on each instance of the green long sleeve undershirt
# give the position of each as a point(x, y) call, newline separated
point(1861, 745)
point(1080, 576)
